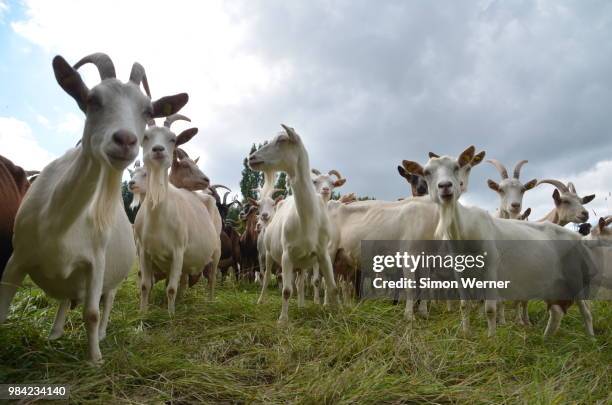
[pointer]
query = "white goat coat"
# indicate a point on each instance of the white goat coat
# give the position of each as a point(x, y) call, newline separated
point(185, 223)
point(62, 256)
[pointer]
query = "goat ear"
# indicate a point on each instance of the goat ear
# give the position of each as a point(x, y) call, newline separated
point(339, 182)
point(478, 158)
point(493, 185)
point(185, 136)
point(556, 197)
point(70, 80)
point(530, 184)
point(588, 198)
point(413, 167)
point(402, 172)
point(196, 160)
point(169, 105)
point(526, 214)
point(466, 156)
point(433, 155)
point(601, 223)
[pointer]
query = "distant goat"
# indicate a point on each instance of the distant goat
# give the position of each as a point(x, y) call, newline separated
point(177, 230)
point(510, 190)
point(298, 235)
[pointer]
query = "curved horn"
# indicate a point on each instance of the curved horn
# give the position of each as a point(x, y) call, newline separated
point(103, 62)
point(225, 197)
point(517, 168)
point(315, 171)
point(556, 183)
point(500, 168)
point(175, 117)
point(216, 186)
point(138, 75)
point(571, 187)
point(336, 173)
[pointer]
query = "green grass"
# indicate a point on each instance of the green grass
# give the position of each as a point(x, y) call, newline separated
point(232, 350)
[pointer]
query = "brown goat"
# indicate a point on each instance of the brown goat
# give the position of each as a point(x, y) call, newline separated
point(248, 243)
point(13, 186)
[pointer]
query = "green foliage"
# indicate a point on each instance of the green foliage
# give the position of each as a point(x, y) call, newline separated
point(281, 184)
point(250, 178)
point(231, 350)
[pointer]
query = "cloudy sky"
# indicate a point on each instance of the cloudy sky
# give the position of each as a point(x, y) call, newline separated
point(365, 83)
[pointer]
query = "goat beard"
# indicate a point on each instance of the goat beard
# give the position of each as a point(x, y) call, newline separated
point(157, 187)
point(135, 200)
point(106, 196)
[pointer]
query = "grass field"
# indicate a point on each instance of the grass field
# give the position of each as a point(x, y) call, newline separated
point(232, 350)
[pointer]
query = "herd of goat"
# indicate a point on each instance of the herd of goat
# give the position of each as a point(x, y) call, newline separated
point(69, 232)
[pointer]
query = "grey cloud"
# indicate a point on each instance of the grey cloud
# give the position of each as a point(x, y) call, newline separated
point(371, 83)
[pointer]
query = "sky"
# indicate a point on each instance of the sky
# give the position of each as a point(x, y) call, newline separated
point(366, 84)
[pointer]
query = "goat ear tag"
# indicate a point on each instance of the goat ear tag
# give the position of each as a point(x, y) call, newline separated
point(531, 184)
point(169, 105)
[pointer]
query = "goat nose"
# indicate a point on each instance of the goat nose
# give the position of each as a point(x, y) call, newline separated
point(445, 184)
point(124, 138)
point(131, 183)
point(158, 148)
point(585, 214)
point(516, 205)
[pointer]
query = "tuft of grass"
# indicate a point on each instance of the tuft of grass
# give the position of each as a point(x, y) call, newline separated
point(232, 350)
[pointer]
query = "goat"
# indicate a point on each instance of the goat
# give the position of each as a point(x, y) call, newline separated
point(230, 239)
point(13, 186)
point(418, 185)
point(248, 242)
point(73, 212)
point(177, 230)
point(510, 190)
point(408, 219)
point(298, 234)
point(569, 207)
point(137, 184)
point(325, 183)
point(536, 270)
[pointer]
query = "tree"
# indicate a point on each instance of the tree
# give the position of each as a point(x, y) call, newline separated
point(281, 184)
point(250, 179)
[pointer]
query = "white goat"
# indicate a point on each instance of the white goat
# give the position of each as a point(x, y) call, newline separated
point(538, 269)
point(73, 214)
point(298, 235)
point(511, 192)
point(137, 184)
point(326, 183)
point(568, 205)
point(177, 230)
point(409, 219)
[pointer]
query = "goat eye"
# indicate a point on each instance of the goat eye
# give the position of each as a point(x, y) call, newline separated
point(146, 138)
point(148, 112)
point(426, 172)
point(173, 140)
